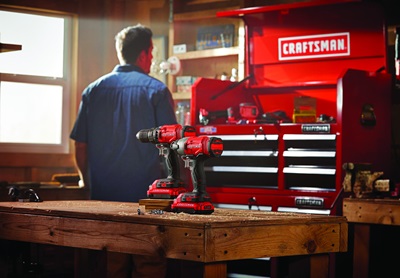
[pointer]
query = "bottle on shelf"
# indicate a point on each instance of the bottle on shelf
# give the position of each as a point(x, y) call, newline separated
point(183, 112)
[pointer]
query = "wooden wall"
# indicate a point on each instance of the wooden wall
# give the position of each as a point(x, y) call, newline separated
point(97, 23)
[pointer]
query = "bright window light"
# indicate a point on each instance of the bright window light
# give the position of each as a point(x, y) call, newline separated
point(42, 40)
point(35, 82)
point(36, 116)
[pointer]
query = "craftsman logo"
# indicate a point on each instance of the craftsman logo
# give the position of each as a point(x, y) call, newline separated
point(208, 129)
point(309, 202)
point(316, 128)
point(318, 46)
point(194, 146)
point(170, 134)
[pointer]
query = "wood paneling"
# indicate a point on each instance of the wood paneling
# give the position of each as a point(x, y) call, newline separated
point(98, 21)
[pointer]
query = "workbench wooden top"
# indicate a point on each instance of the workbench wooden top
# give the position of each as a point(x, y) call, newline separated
point(372, 211)
point(128, 212)
point(223, 235)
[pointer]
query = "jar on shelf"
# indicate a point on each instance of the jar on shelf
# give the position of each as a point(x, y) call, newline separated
point(183, 112)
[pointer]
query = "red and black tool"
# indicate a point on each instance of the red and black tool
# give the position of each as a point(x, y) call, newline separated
point(171, 186)
point(194, 151)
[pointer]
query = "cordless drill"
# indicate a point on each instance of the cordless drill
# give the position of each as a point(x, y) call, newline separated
point(162, 137)
point(194, 151)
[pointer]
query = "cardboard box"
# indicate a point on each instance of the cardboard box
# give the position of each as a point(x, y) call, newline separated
point(182, 48)
point(185, 80)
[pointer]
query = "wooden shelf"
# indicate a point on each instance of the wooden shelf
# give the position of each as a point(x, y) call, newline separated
point(179, 95)
point(7, 47)
point(207, 14)
point(208, 63)
point(209, 53)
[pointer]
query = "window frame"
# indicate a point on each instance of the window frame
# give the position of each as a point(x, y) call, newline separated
point(66, 82)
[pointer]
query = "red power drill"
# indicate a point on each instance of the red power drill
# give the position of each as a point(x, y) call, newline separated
point(163, 136)
point(194, 151)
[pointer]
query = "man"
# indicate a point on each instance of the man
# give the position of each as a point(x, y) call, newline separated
point(110, 159)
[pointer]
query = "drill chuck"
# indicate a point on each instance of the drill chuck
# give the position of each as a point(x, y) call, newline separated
point(148, 135)
point(165, 134)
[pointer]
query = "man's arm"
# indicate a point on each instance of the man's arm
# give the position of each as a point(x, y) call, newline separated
point(81, 162)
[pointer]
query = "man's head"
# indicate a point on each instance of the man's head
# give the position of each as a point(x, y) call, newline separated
point(134, 46)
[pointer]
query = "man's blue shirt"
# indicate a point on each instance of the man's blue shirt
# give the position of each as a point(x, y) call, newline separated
point(112, 110)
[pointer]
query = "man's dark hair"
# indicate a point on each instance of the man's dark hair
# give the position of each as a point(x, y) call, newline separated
point(131, 40)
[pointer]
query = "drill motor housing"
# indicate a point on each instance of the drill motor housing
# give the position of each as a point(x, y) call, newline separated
point(162, 136)
point(165, 134)
point(192, 147)
point(194, 151)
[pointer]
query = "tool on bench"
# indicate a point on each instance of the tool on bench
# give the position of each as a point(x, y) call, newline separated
point(194, 151)
point(248, 113)
point(162, 136)
point(27, 195)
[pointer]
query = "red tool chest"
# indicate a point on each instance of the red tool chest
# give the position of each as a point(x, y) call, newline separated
point(332, 53)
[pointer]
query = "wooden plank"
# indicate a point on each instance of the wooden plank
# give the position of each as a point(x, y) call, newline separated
point(6, 47)
point(150, 204)
point(173, 242)
point(215, 270)
point(373, 211)
point(319, 266)
point(344, 231)
point(273, 241)
point(361, 250)
point(222, 236)
point(199, 270)
point(178, 243)
point(127, 212)
point(208, 14)
point(208, 241)
point(364, 213)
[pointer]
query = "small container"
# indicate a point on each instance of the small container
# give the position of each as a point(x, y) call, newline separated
point(182, 111)
point(187, 117)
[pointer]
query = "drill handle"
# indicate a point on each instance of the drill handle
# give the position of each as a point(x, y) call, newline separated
point(162, 149)
point(171, 161)
point(198, 174)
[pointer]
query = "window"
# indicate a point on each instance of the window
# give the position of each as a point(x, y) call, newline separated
point(35, 82)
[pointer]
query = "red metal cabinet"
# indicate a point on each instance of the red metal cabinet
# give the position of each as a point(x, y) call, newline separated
point(335, 54)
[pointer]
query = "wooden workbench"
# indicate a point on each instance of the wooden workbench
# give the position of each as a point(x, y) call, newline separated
point(209, 240)
point(364, 214)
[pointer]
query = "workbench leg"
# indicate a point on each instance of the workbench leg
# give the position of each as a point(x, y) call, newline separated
point(5, 263)
point(319, 266)
point(90, 263)
point(313, 265)
point(215, 270)
point(202, 270)
point(361, 250)
point(274, 267)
